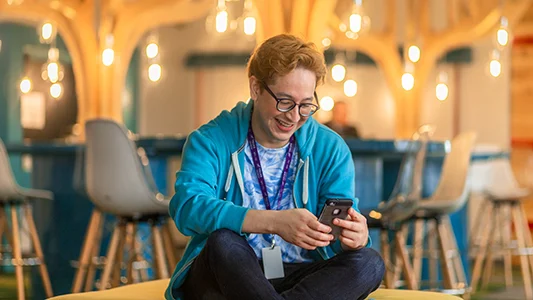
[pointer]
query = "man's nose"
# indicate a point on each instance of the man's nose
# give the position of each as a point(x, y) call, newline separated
point(294, 114)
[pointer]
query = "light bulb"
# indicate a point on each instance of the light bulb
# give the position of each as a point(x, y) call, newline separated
point(154, 72)
point(338, 72)
point(52, 70)
point(249, 25)
point(408, 81)
point(108, 56)
point(326, 42)
point(327, 103)
point(25, 85)
point(56, 90)
point(441, 91)
point(413, 53)
point(356, 22)
point(47, 31)
point(350, 88)
point(152, 50)
point(502, 36)
point(221, 20)
point(495, 68)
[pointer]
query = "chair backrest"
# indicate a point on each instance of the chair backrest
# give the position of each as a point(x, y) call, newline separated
point(114, 176)
point(407, 191)
point(8, 185)
point(453, 185)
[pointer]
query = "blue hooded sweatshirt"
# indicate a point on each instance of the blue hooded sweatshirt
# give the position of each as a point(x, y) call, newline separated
point(209, 186)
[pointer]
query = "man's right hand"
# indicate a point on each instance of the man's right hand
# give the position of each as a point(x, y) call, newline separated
point(301, 228)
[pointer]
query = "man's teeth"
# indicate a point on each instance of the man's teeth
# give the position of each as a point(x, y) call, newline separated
point(285, 124)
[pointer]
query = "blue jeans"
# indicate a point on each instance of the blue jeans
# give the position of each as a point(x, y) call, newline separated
point(227, 268)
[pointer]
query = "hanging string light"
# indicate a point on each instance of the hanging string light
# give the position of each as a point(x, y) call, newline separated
point(441, 90)
point(408, 80)
point(25, 85)
point(495, 67)
point(502, 35)
point(47, 33)
point(326, 103)
point(248, 20)
point(152, 55)
point(413, 53)
point(108, 55)
point(350, 88)
point(338, 71)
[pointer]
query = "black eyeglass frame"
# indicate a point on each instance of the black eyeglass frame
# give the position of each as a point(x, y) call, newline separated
point(317, 106)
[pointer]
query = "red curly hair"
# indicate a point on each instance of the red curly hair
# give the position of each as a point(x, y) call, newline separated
point(279, 55)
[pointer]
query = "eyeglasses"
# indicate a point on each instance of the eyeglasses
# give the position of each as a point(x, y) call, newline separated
point(286, 105)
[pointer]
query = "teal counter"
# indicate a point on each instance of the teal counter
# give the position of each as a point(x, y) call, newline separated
point(62, 223)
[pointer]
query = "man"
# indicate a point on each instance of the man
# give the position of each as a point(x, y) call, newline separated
point(251, 185)
point(339, 121)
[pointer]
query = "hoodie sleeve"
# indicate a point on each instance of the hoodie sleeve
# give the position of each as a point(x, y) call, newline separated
point(195, 207)
point(338, 181)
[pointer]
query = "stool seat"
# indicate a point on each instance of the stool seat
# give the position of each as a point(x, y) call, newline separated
point(506, 194)
point(155, 290)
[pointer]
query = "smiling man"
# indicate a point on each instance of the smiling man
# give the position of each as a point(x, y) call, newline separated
point(250, 188)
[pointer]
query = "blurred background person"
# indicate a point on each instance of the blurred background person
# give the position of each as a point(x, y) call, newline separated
point(339, 121)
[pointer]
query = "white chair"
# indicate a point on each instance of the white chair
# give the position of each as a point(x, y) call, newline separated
point(502, 210)
point(450, 195)
point(119, 182)
point(16, 198)
point(393, 215)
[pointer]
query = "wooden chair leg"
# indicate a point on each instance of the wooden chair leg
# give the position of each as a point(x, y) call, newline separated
point(117, 270)
point(95, 255)
point(87, 249)
point(39, 251)
point(140, 258)
point(524, 264)
point(527, 234)
point(170, 251)
point(433, 254)
point(110, 256)
point(404, 256)
point(489, 259)
point(132, 233)
point(473, 242)
point(505, 222)
point(418, 248)
point(482, 249)
point(457, 261)
point(385, 253)
point(159, 252)
point(446, 264)
point(17, 252)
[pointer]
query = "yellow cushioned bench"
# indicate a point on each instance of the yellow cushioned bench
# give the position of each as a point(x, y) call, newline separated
point(154, 290)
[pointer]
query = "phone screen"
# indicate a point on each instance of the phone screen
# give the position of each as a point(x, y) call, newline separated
point(335, 208)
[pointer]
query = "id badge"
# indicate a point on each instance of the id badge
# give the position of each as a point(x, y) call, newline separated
point(272, 263)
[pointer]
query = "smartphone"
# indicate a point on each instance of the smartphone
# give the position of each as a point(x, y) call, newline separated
point(335, 208)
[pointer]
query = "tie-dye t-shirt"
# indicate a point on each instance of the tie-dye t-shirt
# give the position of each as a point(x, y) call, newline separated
point(272, 162)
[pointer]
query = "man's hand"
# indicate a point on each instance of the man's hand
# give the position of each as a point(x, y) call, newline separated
point(354, 234)
point(301, 228)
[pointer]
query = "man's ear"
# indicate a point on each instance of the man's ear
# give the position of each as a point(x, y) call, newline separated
point(255, 87)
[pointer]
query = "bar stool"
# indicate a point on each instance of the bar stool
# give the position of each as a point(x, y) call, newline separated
point(451, 195)
point(17, 198)
point(393, 215)
point(119, 182)
point(504, 209)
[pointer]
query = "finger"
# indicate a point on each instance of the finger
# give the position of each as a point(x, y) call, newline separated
point(354, 215)
point(320, 236)
point(315, 225)
point(347, 224)
point(307, 240)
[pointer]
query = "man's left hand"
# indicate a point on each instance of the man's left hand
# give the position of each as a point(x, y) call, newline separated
point(354, 234)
